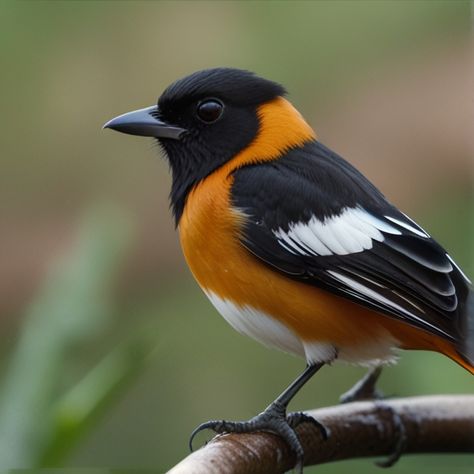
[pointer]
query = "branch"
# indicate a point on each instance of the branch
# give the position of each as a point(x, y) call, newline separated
point(432, 424)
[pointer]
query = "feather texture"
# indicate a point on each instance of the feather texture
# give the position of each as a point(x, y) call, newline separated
point(314, 217)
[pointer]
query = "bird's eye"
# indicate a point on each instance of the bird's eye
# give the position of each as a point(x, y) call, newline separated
point(210, 110)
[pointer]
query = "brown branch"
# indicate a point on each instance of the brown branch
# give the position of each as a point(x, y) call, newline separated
point(432, 424)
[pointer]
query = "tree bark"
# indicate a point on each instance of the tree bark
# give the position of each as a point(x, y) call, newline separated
point(432, 424)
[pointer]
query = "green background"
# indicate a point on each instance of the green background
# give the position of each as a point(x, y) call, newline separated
point(111, 354)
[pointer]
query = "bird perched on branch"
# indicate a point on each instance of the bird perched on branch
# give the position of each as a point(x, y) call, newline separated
point(292, 245)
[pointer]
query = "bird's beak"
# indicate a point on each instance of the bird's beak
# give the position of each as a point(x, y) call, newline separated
point(144, 122)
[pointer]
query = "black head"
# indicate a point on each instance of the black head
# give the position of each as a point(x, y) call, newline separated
point(202, 121)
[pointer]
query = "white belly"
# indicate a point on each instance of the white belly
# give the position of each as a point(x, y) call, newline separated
point(272, 333)
point(258, 325)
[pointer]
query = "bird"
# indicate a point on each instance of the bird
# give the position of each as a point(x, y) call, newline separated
point(292, 244)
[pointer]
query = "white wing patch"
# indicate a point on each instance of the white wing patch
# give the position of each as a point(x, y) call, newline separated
point(415, 228)
point(365, 291)
point(352, 231)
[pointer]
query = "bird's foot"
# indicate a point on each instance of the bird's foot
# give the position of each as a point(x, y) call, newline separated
point(401, 437)
point(365, 388)
point(273, 420)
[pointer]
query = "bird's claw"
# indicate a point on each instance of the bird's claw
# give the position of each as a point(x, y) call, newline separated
point(297, 417)
point(218, 426)
point(401, 440)
point(273, 420)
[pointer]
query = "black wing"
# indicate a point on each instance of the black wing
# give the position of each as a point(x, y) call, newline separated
point(314, 217)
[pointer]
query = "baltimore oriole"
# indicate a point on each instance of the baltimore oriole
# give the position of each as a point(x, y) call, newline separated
point(292, 245)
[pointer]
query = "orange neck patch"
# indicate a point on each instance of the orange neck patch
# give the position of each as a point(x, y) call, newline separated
point(281, 127)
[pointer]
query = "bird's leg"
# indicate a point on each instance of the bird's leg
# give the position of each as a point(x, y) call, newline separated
point(273, 419)
point(365, 388)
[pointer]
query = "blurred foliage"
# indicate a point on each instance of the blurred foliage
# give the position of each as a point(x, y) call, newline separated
point(37, 424)
point(74, 392)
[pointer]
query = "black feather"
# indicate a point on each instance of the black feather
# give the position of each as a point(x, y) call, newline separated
point(235, 86)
